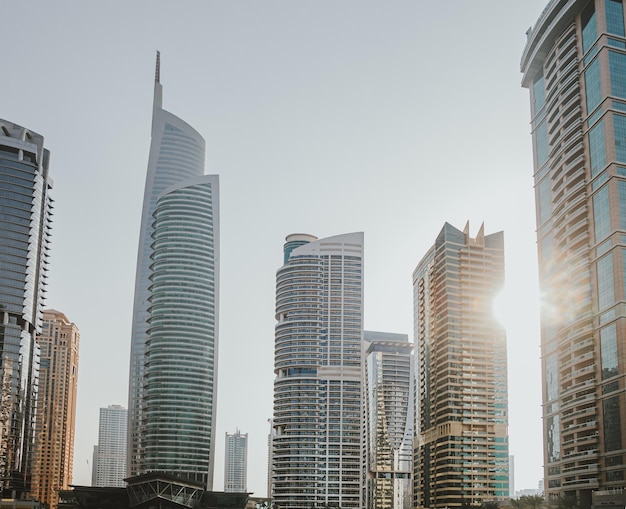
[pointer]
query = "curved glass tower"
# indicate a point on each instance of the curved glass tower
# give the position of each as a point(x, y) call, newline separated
point(574, 65)
point(317, 390)
point(177, 153)
point(180, 388)
point(25, 221)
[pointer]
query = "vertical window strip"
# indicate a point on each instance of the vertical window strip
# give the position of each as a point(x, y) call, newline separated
point(589, 26)
point(592, 85)
point(545, 200)
point(614, 17)
point(608, 351)
point(601, 217)
point(597, 152)
point(606, 290)
point(619, 135)
point(539, 94)
point(541, 143)
point(617, 67)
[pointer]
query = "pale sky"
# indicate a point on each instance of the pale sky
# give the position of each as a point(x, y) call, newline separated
point(323, 117)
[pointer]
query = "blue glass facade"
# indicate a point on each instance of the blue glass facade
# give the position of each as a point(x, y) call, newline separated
point(25, 216)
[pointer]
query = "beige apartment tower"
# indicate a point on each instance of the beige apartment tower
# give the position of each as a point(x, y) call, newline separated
point(56, 407)
point(574, 65)
point(461, 445)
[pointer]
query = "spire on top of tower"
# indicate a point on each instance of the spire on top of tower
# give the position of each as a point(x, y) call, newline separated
point(157, 73)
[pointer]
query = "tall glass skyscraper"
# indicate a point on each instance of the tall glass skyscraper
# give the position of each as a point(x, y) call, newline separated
point(317, 389)
point(388, 410)
point(461, 444)
point(25, 217)
point(110, 458)
point(574, 65)
point(174, 330)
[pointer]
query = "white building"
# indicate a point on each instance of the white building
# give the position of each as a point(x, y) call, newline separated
point(110, 455)
point(317, 390)
point(236, 463)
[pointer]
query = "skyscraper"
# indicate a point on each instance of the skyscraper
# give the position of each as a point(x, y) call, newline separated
point(236, 463)
point(110, 454)
point(56, 407)
point(317, 389)
point(174, 334)
point(574, 65)
point(461, 452)
point(178, 433)
point(25, 216)
point(388, 404)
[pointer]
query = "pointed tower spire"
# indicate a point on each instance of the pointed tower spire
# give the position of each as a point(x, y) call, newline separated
point(157, 72)
point(157, 102)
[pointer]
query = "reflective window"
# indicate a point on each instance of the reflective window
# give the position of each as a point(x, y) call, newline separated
point(539, 94)
point(541, 143)
point(608, 347)
point(554, 439)
point(592, 85)
point(621, 193)
point(617, 66)
point(606, 291)
point(619, 133)
point(588, 20)
point(602, 220)
point(614, 17)
point(612, 424)
point(545, 200)
point(596, 148)
point(552, 384)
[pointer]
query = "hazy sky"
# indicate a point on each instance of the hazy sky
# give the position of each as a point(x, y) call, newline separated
point(324, 117)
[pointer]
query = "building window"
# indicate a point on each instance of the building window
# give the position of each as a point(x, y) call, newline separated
point(541, 143)
point(612, 424)
point(619, 133)
point(617, 66)
point(597, 151)
point(614, 17)
point(539, 94)
point(588, 19)
point(606, 291)
point(554, 439)
point(545, 200)
point(592, 85)
point(601, 217)
point(608, 347)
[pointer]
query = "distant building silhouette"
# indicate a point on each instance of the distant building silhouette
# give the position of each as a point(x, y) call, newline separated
point(25, 216)
point(462, 453)
point(56, 407)
point(236, 463)
point(574, 66)
point(110, 455)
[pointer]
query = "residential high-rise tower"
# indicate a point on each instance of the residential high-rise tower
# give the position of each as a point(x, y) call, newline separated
point(317, 389)
point(172, 389)
point(25, 217)
point(388, 410)
point(574, 65)
point(236, 463)
point(110, 455)
point(461, 444)
point(56, 407)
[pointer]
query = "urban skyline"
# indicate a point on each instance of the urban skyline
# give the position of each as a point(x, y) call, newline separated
point(250, 236)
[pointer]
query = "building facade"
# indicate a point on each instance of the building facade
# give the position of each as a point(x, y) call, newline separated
point(236, 463)
point(574, 65)
point(181, 350)
point(110, 454)
point(175, 176)
point(388, 423)
point(25, 217)
point(56, 407)
point(461, 444)
point(317, 450)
